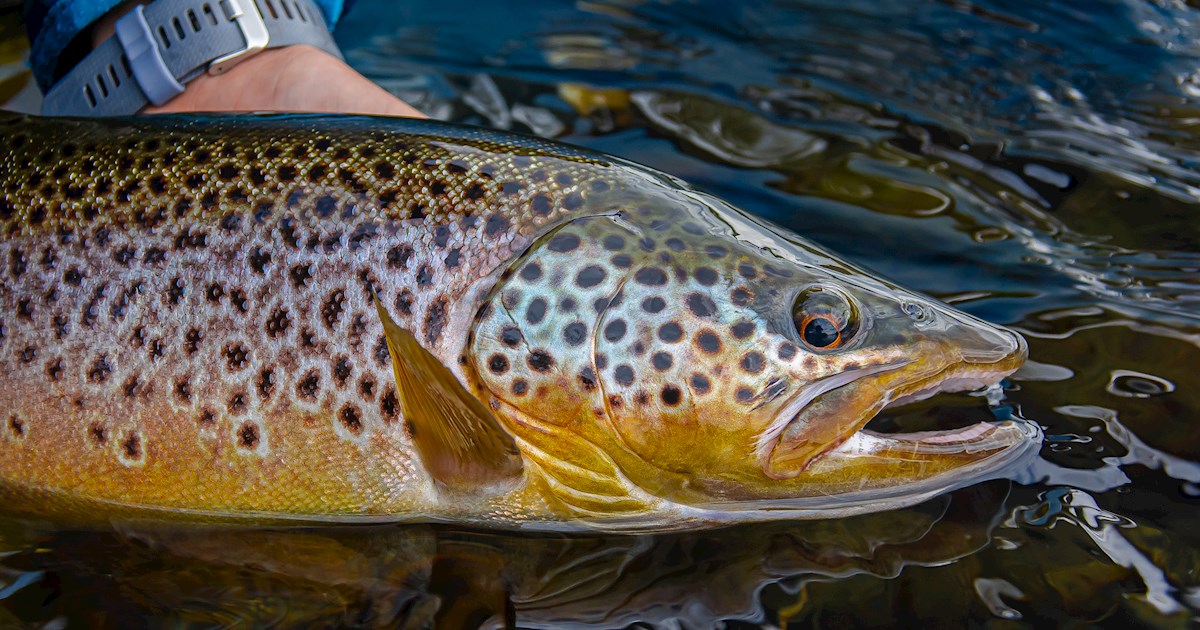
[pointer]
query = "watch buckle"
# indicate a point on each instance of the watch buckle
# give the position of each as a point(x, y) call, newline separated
point(247, 17)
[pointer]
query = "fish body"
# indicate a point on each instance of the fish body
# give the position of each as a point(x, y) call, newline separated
point(343, 319)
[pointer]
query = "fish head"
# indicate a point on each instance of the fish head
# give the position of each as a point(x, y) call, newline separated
point(724, 365)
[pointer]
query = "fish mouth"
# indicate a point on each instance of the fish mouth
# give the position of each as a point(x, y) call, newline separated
point(820, 443)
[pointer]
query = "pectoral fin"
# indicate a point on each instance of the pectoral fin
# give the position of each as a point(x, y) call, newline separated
point(461, 443)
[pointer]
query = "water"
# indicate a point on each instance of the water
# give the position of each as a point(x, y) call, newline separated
point(1033, 163)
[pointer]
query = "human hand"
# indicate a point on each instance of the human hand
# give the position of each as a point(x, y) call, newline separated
point(288, 79)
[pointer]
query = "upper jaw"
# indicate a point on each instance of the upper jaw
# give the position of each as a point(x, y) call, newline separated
point(823, 428)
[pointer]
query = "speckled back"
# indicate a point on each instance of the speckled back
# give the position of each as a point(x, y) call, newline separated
point(186, 316)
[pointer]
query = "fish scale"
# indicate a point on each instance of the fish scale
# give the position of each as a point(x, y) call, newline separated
point(207, 307)
point(340, 319)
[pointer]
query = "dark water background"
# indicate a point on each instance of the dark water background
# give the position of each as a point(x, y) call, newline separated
point(1034, 163)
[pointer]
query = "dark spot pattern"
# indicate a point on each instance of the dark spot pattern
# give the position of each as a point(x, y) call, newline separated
point(671, 395)
point(351, 419)
point(248, 437)
point(624, 375)
point(670, 332)
point(540, 361)
point(753, 362)
point(708, 342)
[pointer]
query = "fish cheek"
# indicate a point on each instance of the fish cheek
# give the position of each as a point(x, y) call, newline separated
point(533, 340)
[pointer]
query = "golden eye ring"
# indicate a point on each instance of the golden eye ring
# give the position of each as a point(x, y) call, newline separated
point(821, 332)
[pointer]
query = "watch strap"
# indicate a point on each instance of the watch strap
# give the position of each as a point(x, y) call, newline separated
point(161, 46)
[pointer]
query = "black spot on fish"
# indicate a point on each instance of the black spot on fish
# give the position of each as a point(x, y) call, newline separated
point(742, 329)
point(575, 333)
point(651, 276)
point(753, 362)
point(404, 302)
point(183, 390)
point(435, 319)
point(498, 364)
point(248, 437)
point(670, 332)
point(236, 356)
point(398, 256)
point(259, 259)
point(366, 387)
point(300, 275)
point(787, 350)
point(342, 369)
point(716, 251)
point(325, 206)
point(740, 296)
point(587, 378)
point(98, 434)
point(192, 339)
point(389, 407)
point(531, 272)
point(747, 270)
point(28, 354)
point(54, 369)
point(701, 305)
point(383, 170)
point(744, 394)
point(590, 276)
point(624, 375)
point(540, 361)
point(496, 225)
point(237, 404)
point(671, 395)
point(706, 276)
point(653, 304)
point(453, 258)
point(520, 387)
point(351, 419)
point(214, 293)
point(708, 341)
point(622, 261)
point(510, 336)
point(536, 311)
point(564, 242)
point(662, 361)
point(615, 330)
point(424, 276)
point(132, 446)
point(541, 204)
point(700, 383)
point(100, 370)
point(309, 385)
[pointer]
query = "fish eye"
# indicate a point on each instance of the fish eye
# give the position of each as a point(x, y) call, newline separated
point(824, 318)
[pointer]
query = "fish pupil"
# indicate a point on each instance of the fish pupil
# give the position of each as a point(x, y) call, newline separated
point(820, 332)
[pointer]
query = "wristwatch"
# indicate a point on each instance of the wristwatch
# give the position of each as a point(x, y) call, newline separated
point(159, 47)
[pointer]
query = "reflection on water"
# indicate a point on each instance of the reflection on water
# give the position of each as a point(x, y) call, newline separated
point(1034, 163)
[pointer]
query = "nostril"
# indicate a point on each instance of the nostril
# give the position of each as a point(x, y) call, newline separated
point(917, 312)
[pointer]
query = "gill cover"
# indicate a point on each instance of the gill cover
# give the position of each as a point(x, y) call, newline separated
point(677, 350)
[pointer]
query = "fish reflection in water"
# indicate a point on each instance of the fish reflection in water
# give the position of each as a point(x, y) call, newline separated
point(416, 575)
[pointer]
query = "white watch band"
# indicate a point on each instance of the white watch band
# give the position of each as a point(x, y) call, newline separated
point(161, 46)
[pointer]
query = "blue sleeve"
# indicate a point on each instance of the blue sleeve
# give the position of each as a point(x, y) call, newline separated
point(54, 25)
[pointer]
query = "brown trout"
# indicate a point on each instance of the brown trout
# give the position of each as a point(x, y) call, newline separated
point(353, 319)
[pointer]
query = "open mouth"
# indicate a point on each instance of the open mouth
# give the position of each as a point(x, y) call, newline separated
point(837, 426)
